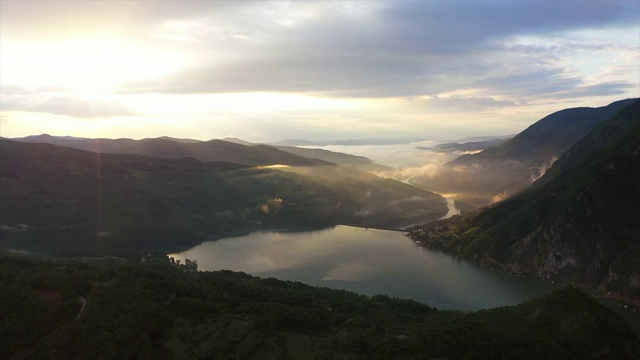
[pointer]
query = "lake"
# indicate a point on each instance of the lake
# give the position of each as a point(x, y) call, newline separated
point(369, 262)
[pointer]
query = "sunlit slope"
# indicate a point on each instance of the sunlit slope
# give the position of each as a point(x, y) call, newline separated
point(57, 198)
point(582, 223)
point(503, 170)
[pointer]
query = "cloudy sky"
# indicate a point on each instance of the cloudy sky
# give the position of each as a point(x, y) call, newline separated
point(266, 71)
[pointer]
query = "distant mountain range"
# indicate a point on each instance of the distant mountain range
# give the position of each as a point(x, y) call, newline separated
point(468, 146)
point(580, 222)
point(168, 148)
point(57, 198)
point(228, 149)
point(347, 142)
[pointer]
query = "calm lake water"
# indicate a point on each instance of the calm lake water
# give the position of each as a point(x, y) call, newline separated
point(369, 262)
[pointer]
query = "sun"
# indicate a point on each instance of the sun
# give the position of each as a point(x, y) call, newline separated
point(87, 66)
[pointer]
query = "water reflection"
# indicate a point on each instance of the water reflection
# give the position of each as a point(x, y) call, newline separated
point(366, 261)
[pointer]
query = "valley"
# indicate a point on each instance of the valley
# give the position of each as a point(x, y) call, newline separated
point(136, 195)
point(222, 210)
point(577, 223)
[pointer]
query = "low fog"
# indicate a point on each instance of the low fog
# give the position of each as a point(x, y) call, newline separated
point(426, 164)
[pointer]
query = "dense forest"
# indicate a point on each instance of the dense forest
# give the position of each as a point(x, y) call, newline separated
point(158, 308)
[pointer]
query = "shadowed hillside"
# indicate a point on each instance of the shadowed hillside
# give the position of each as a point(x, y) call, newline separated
point(228, 149)
point(580, 223)
point(57, 198)
point(157, 309)
point(168, 148)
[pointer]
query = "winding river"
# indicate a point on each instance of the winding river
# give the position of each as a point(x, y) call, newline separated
point(369, 262)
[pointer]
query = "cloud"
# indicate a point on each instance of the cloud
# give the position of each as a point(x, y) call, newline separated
point(543, 169)
point(499, 197)
point(406, 174)
point(62, 105)
point(464, 103)
point(396, 49)
point(553, 83)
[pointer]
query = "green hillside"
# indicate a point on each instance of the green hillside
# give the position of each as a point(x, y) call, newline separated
point(581, 224)
point(154, 309)
point(55, 198)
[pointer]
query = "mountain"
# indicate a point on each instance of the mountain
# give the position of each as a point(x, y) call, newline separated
point(360, 162)
point(180, 140)
point(238, 141)
point(158, 309)
point(227, 149)
point(547, 138)
point(58, 198)
point(580, 223)
point(501, 171)
point(482, 138)
point(601, 136)
point(167, 148)
point(468, 146)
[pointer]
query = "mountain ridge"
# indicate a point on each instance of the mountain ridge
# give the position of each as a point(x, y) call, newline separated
point(580, 224)
point(550, 136)
point(211, 150)
point(68, 198)
point(501, 171)
point(226, 149)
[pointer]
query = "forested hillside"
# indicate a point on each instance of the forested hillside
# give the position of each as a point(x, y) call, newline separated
point(158, 309)
point(581, 224)
point(61, 199)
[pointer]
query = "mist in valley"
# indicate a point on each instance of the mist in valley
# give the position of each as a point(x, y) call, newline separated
point(426, 165)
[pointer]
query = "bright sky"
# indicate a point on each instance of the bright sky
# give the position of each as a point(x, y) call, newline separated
point(266, 71)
